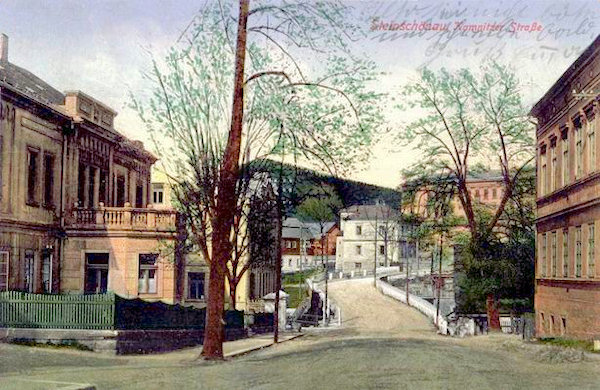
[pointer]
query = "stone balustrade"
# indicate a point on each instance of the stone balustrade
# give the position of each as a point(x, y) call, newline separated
point(123, 218)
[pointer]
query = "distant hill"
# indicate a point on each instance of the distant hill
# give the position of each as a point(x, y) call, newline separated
point(300, 182)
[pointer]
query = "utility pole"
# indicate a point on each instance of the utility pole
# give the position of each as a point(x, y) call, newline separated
point(375, 258)
point(407, 275)
point(326, 274)
point(439, 282)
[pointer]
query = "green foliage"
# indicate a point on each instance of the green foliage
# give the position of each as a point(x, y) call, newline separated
point(325, 116)
point(585, 345)
point(502, 263)
point(320, 206)
point(301, 183)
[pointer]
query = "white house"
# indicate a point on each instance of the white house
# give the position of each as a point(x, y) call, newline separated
point(372, 234)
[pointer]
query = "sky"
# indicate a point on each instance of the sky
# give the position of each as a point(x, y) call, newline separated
point(102, 47)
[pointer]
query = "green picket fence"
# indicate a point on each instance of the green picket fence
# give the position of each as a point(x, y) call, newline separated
point(25, 310)
point(100, 311)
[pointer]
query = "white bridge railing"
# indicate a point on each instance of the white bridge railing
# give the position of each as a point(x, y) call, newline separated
point(418, 303)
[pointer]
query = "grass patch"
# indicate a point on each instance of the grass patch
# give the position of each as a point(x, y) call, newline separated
point(585, 345)
point(297, 295)
point(71, 344)
point(297, 277)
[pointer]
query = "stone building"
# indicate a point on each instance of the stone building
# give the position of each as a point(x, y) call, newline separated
point(567, 296)
point(75, 199)
point(486, 189)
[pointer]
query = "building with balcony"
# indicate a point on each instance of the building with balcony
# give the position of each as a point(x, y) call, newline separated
point(76, 212)
point(567, 293)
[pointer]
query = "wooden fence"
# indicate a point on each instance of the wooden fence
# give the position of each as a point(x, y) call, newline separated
point(24, 310)
point(100, 311)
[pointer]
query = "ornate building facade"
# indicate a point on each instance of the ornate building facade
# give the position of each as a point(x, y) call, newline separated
point(567, 296)
point(76, 212)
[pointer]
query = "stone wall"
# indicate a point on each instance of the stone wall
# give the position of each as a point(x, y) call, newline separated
point(567, 310)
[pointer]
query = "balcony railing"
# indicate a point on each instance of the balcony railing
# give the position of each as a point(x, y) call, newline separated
point(123, 218)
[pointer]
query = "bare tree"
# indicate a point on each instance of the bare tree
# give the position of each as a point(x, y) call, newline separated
point(467, 119)
point(325, 117)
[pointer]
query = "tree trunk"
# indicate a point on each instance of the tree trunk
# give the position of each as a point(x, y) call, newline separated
point(493, 313)
point(226, 202)
point(213, 330)
point(232, 290)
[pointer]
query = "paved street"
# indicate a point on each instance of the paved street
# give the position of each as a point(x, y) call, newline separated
point(382, 344)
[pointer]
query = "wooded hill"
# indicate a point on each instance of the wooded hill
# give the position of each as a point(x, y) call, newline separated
point(300, 183)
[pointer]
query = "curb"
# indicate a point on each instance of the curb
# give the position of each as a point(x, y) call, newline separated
point(252, 349)
point(79, 387)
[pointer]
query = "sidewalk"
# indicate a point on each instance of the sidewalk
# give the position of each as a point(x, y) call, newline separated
point(239, 347)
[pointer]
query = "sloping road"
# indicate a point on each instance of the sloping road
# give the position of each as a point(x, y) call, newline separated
point(382, 344)
point(368, 312)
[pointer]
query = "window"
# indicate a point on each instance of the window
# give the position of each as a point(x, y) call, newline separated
point(96, 273)
point(4, 270)
point(32, 176)
point(139, 195)
point(148, 271)
point(564, 325)
point(477, 194)
point(565, 235)
point(81, 186)
point(591, 269)
point(196, 285)
point(48, 180)
point(494, 193)
point(157, 193)
point(382, 230)
point(553, 254)
point(357, 265)
point(120, 201)
point(578, 152)
point(543, 256)
point(565, 160)
point(29, 271)
point(288, 244)
point(91, 186)
point(591, 132)
point(578, 251)
point(485, 194)
point(543, 181)
point(47, 271)
point(103, 187)
point(294, 244)
point(381, 250)
point(553, 167)
point(358, 230)
point(358, 249)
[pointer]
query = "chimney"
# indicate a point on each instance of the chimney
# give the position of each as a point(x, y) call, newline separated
point(3, 48)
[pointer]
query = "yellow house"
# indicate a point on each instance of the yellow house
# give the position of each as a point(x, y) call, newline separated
point(254, 283)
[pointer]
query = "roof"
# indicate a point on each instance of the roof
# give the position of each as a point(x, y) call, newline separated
point(29, 84)
point(563, 80)
point(315, 228)
point(369, 212)
point(294, 228)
